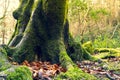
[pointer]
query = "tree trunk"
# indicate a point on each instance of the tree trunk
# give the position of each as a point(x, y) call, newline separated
point(42, 30)
point(42, 33)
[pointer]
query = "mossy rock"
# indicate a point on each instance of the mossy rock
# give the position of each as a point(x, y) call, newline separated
point(75, 74)
point(106, 55)
point(17, 73)
point(4, 63)
point(20, 73)
point(107, 52)
point(111, 50)
point(10, 71)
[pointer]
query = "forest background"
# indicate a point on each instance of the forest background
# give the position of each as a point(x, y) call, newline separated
point(97, 21)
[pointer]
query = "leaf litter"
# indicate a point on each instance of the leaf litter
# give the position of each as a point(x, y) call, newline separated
point(43, 70)
point(107, 69)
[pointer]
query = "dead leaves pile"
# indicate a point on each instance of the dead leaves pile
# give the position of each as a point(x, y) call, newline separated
point(43, 70)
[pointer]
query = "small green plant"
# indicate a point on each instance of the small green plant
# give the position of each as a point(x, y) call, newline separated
point(96, 14)
point(106, 42)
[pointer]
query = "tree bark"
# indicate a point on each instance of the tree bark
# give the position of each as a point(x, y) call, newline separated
point(22, 14)
point(42, 34)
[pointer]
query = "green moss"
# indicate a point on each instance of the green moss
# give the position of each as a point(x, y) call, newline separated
point(55, 17)
point(20, 73)
point(107, 52)
point(78, 52)
point(4, 63)
point(47, 19)
point(21, 53)
point(74, 50)
point(51, 49)
point(88, 46)
point(75, 74)
point(106, 55)
point(111, 50)
point(66, 61)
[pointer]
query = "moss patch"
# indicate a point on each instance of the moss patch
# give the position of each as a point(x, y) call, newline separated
point(66, 61)
point(20, 73)
point(111, 50)
point(88, 46)
point(4, 63)
point(106, 52)
point(75, 74)
point(106, 55)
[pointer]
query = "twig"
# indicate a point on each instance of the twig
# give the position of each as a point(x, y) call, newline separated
point(109, 76)
point(115, 30)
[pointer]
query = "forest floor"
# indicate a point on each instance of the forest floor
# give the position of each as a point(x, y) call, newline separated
point(105, 69)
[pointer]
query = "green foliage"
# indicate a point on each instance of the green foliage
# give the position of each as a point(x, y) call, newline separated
point(75, 8)
point(95, 14)
point(78, 38)
point(89, 20)
point(79, 4)
point(106, 42)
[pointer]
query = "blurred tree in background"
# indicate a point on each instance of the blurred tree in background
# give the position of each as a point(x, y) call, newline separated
point(95, 20)
point(7, 22)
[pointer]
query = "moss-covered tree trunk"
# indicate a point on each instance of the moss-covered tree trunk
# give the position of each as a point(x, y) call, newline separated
point(42, 33)
point(42, 30)
point(39, 30)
